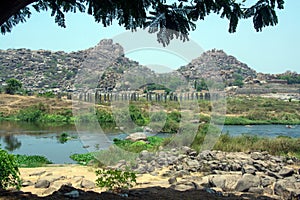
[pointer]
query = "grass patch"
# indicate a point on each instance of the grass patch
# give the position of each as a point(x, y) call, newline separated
point(121, 150)
point(280, 145)
point(31, 161)
point(244, 120)
point(153, 143)
point(83, 159)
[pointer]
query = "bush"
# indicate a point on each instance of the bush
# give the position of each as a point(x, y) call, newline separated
point(115, 180)
point(13, 86)
point(9, 173)
point(48, 94)
point(29, 115)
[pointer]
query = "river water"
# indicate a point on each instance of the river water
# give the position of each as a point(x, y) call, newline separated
point(39, 139)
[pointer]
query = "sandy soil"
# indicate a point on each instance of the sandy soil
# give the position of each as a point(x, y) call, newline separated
point(69, 177)
point(74, 174)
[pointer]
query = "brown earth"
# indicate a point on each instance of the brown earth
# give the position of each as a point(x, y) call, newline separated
point(11, 104)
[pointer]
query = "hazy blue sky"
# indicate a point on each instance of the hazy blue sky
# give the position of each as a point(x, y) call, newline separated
point(274, 50)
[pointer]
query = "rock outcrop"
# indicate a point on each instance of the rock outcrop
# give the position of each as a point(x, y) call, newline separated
point(105, 67)
point(225, 172)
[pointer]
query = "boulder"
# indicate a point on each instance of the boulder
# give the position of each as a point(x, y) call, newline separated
point(267, 180)
point(257, 156)
point(218, 181)
point(192, 164)
point(285, 189)
point(172, 180)
point(285, 172)
point(256, 190)
point(249, 169)
point(183, 186)
point(225, 182)
point(246, 182)
point(87, 184)
point(42, 184)
point(138, 136)
point(26, 183)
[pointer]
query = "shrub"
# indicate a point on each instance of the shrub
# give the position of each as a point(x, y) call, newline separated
point(13, 86)
point(48, 94)
point(29, 115)
point(115, 180)
point(9, 173)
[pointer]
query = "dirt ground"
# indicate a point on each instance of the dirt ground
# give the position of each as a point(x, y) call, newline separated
point(11, 104)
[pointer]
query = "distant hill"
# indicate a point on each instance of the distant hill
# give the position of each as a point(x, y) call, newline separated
point(48, 70)
point(217, 63)
point(105, 67)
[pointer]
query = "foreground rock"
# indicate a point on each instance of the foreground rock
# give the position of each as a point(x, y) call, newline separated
point(235, 172)
point(255, 175)
point(138, 136)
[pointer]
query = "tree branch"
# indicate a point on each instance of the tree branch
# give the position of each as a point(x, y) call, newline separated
point(10, 7)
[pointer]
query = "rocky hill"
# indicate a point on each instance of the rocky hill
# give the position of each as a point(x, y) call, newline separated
point(44, 70)
point(217, 63)
point(40, 69)
point(105, 67)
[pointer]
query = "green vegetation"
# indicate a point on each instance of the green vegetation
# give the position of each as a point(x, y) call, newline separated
point(240, 111)
point(238, 80)
point(31, 161)
point(115, 180)
point(136, 147)
point(9, 173)
point(291, 78)
point(199, 86)
point(154, 86)
point(64, 137)
point(285, 146)
point(48, 94)
point(138, 116)
point(41, 113)
point(13, 86)
point(114, 153)
point(258, 110)
point(83, 159)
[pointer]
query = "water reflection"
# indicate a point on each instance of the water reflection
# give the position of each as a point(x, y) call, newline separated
point(11, 142)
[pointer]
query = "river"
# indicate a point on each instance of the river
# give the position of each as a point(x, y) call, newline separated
point(39, 139)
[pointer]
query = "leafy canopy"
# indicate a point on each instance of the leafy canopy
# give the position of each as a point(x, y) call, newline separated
point(168, 19)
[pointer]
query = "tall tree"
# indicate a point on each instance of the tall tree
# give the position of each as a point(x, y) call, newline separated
point(168, 19)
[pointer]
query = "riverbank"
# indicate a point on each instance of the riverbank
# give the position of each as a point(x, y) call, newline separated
point(240, 110)
point(177, 174)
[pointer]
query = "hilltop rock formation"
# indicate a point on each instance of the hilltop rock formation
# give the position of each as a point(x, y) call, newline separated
point(58, 71)
point(217, 63)
point(105, 67)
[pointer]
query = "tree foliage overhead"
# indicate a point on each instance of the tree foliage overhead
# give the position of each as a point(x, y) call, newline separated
point(168, 19)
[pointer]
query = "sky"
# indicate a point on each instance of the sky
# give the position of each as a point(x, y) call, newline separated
point(274, 50)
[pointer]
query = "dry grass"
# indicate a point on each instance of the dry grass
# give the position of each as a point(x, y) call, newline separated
point(11, 104)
